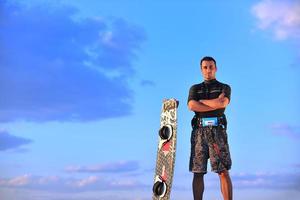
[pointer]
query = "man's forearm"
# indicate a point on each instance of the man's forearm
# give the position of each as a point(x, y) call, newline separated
point(216, 103)
point(199, 107)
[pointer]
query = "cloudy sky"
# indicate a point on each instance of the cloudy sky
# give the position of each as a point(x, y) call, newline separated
point(82, 84)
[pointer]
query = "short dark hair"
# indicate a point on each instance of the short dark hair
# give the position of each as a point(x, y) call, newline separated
point(208, 58)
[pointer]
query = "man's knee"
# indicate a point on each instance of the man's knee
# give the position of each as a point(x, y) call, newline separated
point(224, 174)
point(198, 175)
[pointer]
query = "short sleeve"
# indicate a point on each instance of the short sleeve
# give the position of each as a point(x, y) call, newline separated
point(227, 90)
point(193, 94)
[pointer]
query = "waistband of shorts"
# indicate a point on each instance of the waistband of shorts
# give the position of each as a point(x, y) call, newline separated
point(197, 121)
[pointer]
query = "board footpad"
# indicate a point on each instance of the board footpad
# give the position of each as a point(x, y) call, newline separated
point(166, 132)
point(159, 188)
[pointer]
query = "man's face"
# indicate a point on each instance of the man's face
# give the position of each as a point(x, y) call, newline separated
point(208, 70)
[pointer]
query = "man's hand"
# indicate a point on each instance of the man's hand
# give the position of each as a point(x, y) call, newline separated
point(221, 99)
point(217, 103)
point(197, 106)
point(222, 95)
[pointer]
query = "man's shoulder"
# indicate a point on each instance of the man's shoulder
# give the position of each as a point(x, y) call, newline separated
point(223, 84)
point(196, 86)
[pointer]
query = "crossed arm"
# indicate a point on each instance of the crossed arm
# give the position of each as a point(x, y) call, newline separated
point(208, 104)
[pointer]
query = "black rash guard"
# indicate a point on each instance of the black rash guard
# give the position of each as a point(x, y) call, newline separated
point(209, 90)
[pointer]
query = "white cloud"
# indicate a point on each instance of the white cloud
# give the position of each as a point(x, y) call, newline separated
point(71, 184)
point(124, 183)
point(87, 181)
point(19, 181)
point(282, 18)
point(48, 179)
point(30, 181)
point(115, 167)
point(95, 187)
point(247, 180)
point(267, 180)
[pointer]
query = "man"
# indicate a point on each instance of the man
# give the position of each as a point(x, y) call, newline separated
point(209, 138)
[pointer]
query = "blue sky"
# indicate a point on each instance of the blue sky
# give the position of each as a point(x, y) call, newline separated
point(82, 86)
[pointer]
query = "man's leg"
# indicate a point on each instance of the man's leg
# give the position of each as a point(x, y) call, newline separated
point(198, 186)
point(226, 185)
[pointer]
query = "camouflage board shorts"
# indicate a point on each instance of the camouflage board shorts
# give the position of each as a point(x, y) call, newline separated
point(209, 142)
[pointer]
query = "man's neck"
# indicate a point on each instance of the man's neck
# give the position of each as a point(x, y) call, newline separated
point(210, 81)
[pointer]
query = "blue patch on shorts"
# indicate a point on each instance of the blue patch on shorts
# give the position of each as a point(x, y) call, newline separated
point(210, 121)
